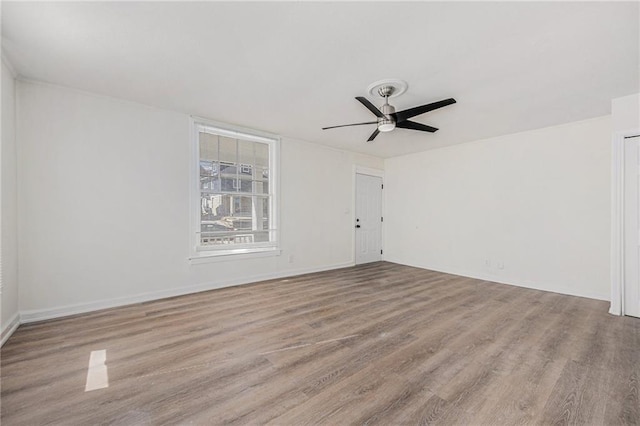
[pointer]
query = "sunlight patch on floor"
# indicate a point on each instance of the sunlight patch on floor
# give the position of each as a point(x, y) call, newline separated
point(97, 375)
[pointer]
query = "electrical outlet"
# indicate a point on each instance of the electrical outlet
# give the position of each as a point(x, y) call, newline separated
point(290, 258)
point(500, 265)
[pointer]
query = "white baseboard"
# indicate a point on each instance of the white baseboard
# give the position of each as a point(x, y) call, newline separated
point(24, 317)
point(9, 328)
point(63, 311)
point(520, 283)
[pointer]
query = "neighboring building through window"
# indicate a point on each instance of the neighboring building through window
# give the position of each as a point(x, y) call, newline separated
point(236, 184)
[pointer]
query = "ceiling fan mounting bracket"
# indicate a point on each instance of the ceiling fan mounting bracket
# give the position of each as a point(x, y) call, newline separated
point(389, 87)
point(386, 91)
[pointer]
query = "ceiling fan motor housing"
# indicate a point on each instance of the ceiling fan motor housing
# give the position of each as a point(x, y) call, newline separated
point(387, 123)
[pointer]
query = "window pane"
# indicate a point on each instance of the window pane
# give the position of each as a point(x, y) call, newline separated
point(228, 185)
point(212, 208)
point(209, 184)
point(245, 184)
point(217, 207)
point(208, 146)
point(262, 155)
point(228, 151)
point(227, 169)
point(260, 187)
point(246, 169)
point(261, 213)
point(245, 153)
point(209, 176)
point(242, 208)
point(228, 177)
point(206, 168)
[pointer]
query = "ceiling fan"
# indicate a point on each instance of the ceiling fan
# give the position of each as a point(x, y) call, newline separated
point(389, 119)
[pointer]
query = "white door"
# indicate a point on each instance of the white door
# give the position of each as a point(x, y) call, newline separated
point(631, 297)
point(368, 218)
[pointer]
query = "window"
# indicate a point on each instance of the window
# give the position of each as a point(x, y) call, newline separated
point(234, 190)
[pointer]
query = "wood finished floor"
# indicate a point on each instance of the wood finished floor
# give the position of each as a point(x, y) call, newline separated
point(373, 344)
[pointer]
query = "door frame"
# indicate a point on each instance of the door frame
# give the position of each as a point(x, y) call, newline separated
point(360, 170)
point(617, 220)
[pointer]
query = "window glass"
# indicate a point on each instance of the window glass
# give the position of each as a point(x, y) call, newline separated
point(235, 191)
point(208, 146)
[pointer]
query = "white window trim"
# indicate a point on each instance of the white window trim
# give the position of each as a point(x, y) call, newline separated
point(198, 254)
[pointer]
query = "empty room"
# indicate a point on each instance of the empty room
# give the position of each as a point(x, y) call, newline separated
point(292, 213)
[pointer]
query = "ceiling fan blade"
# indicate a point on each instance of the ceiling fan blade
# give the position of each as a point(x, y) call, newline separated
point(412, 112)
point(371, 107)
point(373, 135)
point(416, 126)
point(346, 125)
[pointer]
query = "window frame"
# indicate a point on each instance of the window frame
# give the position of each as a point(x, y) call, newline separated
point(210, 253)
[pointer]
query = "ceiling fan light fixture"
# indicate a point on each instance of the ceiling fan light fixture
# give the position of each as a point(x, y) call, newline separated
point(386, 125)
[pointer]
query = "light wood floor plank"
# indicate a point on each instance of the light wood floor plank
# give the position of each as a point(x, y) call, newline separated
point(374, 344)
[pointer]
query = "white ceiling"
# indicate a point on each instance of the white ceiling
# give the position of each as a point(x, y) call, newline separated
point(294, 67)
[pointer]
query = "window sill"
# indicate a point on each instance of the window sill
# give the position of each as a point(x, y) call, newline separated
point(238, 254)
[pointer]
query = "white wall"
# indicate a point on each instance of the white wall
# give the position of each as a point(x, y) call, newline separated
point(530, 209)
point(625, 113)
point(104, 205)
point(9, 213)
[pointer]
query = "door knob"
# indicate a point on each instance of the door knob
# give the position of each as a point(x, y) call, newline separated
point(357, 226)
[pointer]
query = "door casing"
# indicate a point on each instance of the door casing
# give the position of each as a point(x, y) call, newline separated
point(618, 284)
point(370, 172)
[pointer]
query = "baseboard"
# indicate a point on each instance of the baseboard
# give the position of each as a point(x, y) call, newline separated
point(521, 283)
point(9, 328)
point(81, 308)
